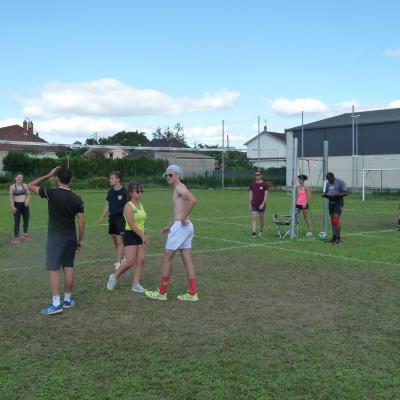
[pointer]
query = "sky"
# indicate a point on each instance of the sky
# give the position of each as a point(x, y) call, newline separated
point(78, 68)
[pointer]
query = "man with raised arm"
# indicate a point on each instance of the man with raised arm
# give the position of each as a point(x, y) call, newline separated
point(180, 234)
point(62, 242)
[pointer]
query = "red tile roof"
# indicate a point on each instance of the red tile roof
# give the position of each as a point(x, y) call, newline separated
point(16, 133)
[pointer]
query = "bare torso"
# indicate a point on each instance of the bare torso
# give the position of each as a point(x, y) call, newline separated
point(178, 201)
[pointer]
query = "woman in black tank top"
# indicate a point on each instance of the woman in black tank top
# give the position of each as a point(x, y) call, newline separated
point(19, 201)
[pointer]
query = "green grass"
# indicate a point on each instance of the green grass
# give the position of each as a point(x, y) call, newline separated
point(276, 319)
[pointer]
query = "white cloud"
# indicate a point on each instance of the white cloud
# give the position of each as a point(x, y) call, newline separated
point(395, 104)
point(394, 53)
point(346, 107)
point(283, 106)
point(10, 121)
point(212, 135)
point(79, 127)
point(110, 97)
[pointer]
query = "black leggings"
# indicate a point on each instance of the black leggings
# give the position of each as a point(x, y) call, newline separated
point(24, 211)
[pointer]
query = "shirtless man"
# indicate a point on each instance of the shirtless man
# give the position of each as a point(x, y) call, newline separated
point(180, 234)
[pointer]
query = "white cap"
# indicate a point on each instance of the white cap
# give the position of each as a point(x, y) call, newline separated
point(176, 169)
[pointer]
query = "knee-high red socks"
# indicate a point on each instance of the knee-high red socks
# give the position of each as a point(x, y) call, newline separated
point(193, 286)
point(192, 289)
point(164, 284)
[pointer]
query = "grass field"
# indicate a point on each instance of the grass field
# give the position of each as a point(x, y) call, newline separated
point(276, 319)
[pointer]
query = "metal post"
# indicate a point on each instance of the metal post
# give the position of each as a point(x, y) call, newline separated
point(302, 142)
point(325, 202)
point(223, 158)
point(356, 153)
point(258, 142)
point(353, 181)
point(294, 185)
point(289, 158)
point(363, 185)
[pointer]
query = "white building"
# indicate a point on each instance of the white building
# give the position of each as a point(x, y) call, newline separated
point(268, 149)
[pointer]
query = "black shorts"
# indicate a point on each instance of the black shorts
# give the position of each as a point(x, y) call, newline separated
point(131, 239)
point(116, 224)
point(256, 208)
point(300, 207)
point(335, 207)
point(60, 251)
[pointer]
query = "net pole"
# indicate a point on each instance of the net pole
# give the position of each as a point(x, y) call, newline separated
point(363, 185)
point(293, 213)
point(325, 171)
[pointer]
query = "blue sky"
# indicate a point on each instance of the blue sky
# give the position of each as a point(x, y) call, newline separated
point(79, 67)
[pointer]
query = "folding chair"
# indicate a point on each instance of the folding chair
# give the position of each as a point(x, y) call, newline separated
point(283, 224)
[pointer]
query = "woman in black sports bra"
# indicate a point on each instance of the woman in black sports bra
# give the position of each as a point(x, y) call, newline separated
point(19, 201)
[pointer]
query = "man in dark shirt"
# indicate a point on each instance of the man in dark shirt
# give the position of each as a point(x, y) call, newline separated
point(334, 190)
point(116, 199)
point(62, 242)
point(258, 194)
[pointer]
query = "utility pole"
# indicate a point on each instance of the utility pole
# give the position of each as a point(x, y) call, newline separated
point(258, 141)
point(223, 156)
point(302, 141)
point(352, 149)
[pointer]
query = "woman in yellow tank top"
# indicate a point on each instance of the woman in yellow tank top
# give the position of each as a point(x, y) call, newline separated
point(135, 240)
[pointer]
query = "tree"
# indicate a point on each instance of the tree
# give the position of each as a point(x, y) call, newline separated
point(91, 142)
point(71, 152)
point(124, 138)
point(176, 132)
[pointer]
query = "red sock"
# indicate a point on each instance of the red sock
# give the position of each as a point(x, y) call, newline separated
point(192, 286)
point(164, 284)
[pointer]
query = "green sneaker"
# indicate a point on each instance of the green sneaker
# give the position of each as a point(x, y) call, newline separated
point(188, 297)
point(155, 295)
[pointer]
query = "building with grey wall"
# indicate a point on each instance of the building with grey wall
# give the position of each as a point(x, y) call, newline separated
point(376, 145)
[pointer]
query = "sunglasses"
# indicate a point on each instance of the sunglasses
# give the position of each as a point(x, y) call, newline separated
point(257, 174)
point(139, 191)
point(168, 175)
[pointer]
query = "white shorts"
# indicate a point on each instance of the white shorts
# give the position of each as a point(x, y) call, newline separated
point(180, 236)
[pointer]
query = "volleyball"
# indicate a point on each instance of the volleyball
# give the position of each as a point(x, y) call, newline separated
point(322, 235)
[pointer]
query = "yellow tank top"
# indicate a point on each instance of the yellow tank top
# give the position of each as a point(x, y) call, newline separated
point(139, 217)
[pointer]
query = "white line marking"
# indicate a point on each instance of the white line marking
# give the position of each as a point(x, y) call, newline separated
point(368, 232)
point(359, 260)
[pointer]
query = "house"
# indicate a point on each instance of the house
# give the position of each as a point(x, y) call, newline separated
point(192, 163)
point(170, 142)
point(25, 134)
point(376, 144)
point(114, 153)
point(267, 149)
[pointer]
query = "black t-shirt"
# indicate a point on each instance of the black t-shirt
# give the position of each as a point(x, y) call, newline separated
point(63, 206)
point(116, 201)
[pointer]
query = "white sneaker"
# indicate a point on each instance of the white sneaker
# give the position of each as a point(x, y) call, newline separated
point(116, 265)
point(138, 288)
point(261, 233)
point(309, 234)
point(112, 282)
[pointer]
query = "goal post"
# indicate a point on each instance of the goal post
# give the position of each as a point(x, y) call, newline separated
point(379, 179)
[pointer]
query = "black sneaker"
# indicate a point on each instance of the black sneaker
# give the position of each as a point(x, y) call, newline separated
point(331, 241)
point(337, 242)
point(254, 235)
